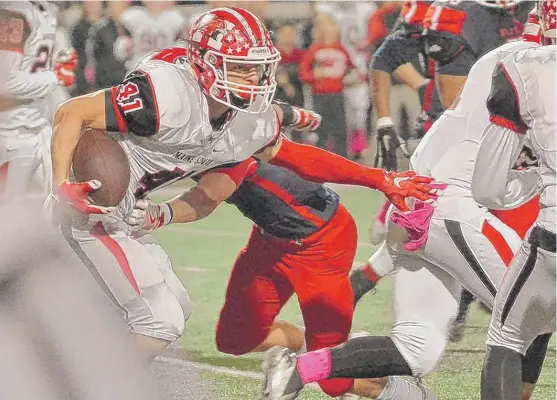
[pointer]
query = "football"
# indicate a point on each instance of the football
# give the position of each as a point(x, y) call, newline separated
point(98, 156)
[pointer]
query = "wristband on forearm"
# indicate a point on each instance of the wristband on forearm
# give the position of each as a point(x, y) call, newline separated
point(288, 114)
point(383, 122)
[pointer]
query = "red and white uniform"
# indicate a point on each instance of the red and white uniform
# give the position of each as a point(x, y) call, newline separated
point(167, 132)
point(149, 32)
point(466, 246)
point(521, 104)
point(163, 122)
point(27, 35)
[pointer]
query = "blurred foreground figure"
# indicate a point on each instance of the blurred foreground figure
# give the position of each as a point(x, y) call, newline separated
point(61, 338)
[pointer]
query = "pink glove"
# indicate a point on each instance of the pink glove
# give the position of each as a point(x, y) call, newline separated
point(416, 222)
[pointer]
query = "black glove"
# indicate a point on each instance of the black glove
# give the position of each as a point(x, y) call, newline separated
point(388, 141)
point(419, 125)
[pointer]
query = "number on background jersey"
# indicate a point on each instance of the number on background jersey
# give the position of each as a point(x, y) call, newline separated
point(128, 98)
point(42, 59)
point(150, 182)
point(12, 30)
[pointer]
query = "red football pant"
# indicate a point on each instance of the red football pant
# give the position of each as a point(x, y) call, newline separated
point(269, 270)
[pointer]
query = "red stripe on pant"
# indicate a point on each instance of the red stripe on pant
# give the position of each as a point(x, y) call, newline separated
point(520, 219)
point(269, 270)
point(112, 245)
point(499, 242)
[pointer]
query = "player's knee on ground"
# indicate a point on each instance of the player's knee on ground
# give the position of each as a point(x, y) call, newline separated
point(336, 387)
point(236, 336)
point(421, 346)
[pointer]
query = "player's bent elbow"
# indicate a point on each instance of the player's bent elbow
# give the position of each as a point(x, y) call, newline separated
point(61, 112)
point(89, 110)
point(485, 198)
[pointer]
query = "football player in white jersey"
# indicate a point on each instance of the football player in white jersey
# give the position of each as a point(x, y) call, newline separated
point(179, 114)
point(154, 26)
point(27, 37)
point(521, 104)
point(439, 250)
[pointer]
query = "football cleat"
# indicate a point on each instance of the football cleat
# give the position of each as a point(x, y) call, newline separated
point(282, 381)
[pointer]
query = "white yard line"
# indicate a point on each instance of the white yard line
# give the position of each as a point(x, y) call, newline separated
point(216, 369)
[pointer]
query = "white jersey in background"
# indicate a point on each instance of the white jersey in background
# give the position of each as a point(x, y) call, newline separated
point(171, 137)
point(28, 87)
point(149, 32)
point(26, 54)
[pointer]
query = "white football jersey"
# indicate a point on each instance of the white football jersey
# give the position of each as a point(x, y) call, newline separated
point(449, 150)
point(26, 53)
point(522, 106)
point(151, 32)
point(170, 135)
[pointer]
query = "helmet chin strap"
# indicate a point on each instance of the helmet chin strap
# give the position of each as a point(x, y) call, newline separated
point(237, 101)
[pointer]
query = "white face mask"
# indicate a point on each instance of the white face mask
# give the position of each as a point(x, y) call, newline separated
point(244, 97)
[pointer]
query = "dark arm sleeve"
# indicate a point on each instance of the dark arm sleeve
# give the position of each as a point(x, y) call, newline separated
point(503, 102)
point(132, 106)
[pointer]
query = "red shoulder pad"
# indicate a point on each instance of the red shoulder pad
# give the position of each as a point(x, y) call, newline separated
point(444, 19)
point(414, 12)
point(14, 30)
point(170, 54)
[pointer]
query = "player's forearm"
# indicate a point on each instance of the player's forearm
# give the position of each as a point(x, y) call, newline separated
point(212, 189)
point(69, 119)
point(449, 87)
point(66, 133)
point(192, 205)
point(494, 184)
point(321, 166)
point(407, 74)
point(380, 83)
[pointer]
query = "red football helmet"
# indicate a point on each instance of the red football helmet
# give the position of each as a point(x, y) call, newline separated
point(547, 11)
point(226, 36)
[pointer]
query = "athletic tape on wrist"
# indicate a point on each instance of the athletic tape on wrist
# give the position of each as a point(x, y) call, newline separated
point(384, 121)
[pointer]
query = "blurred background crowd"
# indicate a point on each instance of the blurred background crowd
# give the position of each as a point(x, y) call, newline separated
point(326, 49)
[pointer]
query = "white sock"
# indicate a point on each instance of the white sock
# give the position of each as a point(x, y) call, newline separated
point(401, 389)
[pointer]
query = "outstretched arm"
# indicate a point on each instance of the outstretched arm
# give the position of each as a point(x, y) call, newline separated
point(198, 202)
point(321, 166)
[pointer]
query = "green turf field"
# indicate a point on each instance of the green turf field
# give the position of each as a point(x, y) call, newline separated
point(202, 254)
